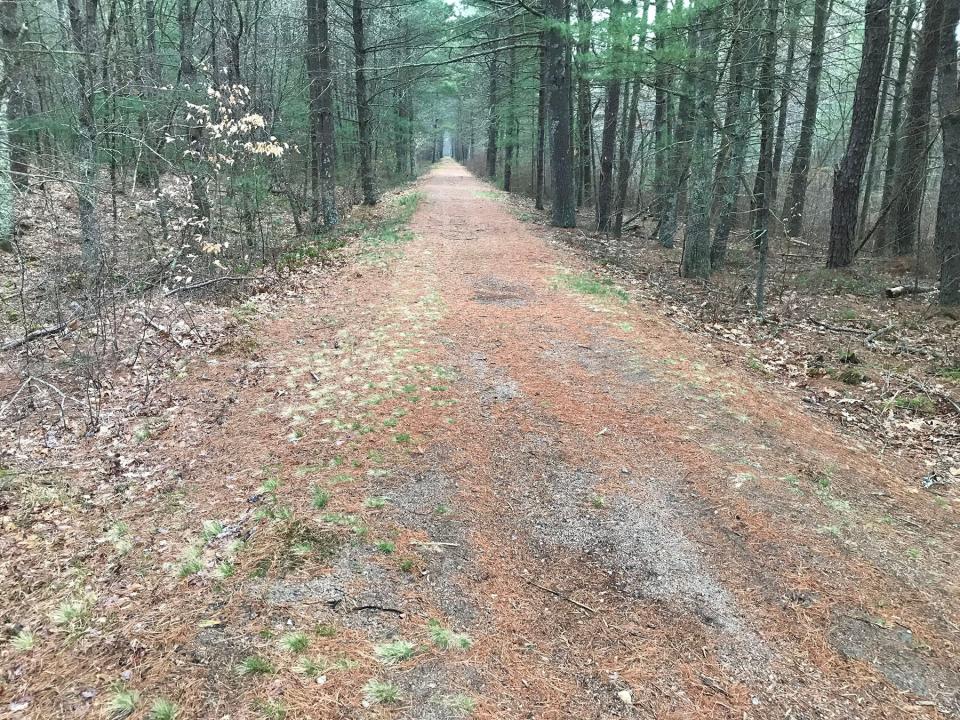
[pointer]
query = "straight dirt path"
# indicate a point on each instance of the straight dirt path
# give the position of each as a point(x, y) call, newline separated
point(567, 506)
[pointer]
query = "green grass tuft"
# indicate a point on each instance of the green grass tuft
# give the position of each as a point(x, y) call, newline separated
point(255, 665)
point(319, 496)
point(24, 641)
point(295, 642)
point(163, 709)
point(446, 639)
point(395, 651)
point(122, 703)
point(380, 692)
point(588, 285)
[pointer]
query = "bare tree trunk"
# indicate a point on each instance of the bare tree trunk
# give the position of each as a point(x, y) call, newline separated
point(786, 87)
point(696, 246)
point(560, 102)
point(363, 106)
point(541, 125)
point(912, 162)
point(322, 148)
point(800, 165)
point(83, 29)
point(611, 111)
point(875, 147)
point(9, 39)
point(744, 58)
point(511, 121)
point(881, 241)
point(848, 174)
point(493, 126)
point(948, 209)
point(764, 180)
point(661, 124)
point(584, 174)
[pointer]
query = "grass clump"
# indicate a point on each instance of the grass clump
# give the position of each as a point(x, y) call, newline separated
point(459, 704)
point(922, 404)
point(163, 709)
point(447, 639)
point(255, 665)
point(122, 703)
point(395, 652)
point(73, 614)
point(588, 285)
point(381, 692)
point(387, 547)
point(319, 496)
point(375, 503)
point(295, 642)
point(210, 530)
point(24, 641)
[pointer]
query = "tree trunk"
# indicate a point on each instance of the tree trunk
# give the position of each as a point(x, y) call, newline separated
point(745, 54)
point(948, 209)
point(511, 121)
point(611, 112)
point(786, 88)
point(493, 129)
point(559, 103)
point(696, 246)
point(83, 29)
point(864, 217)
point(764, 180)
point(848, 174)
point(541, 125)
point(364, 128)
point(800, 165)
point(322, 148)
point(661, 125)
point(882, 236)
point(912, 162)
point(9, 37)
point(584, 173)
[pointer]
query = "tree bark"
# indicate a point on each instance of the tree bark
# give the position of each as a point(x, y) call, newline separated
point(584, 174)
point(864, 216)
point(948, 209)
point(800, 165)
point(322, 147)
point(493, 129)
point(882, 236)
point(661, 125)
point(764, 179)
point(696, 246)
point(541, 125)
point(745, 52)
point(912, 162)
point(611, 112)
point(560, 102)
point(83, 29)
point(848, 174)
point(364, 129)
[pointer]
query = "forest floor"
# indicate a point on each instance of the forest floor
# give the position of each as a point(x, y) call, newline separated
point(462, 476)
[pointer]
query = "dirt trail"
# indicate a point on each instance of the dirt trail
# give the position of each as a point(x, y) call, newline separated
point(623, 523)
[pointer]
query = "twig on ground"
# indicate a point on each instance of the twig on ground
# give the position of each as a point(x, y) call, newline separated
point(205, 283)
point(562, 596)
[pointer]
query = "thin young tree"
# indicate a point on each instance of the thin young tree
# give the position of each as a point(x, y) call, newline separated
point(795, 200)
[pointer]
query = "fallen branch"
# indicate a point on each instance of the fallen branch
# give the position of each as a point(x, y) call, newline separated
point(205, 283)
point(561, 596)
point(38, 334)
point(839, 328)
point(901, 290)
point(434, 544)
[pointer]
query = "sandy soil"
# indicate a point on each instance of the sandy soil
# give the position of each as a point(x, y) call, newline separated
point(622, 522)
